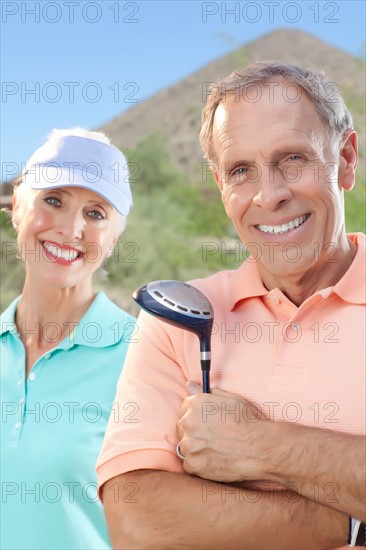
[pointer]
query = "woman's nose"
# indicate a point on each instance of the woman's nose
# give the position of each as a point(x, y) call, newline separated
point(71, 225)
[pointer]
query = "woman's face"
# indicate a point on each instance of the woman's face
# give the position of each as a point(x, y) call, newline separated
point(64, 234)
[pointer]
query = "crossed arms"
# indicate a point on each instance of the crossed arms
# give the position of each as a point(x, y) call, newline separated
point(212, 499)
point(323, 472)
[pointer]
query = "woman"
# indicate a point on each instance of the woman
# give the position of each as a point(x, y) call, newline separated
point(62, 345)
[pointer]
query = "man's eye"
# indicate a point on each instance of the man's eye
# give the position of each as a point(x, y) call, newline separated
point(53, 201)
point(240, 171)
point(238, 174)
point(96, 215)
point(294, 158)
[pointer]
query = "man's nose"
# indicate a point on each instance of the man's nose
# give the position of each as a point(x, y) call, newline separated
point(273, 190)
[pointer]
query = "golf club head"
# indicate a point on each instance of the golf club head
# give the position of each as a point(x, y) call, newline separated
point(177, 303)
point(184, 306)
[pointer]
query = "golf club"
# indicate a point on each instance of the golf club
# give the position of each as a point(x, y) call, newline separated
point(183, 306)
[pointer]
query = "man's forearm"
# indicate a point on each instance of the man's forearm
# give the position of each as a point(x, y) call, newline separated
point(324, 466)
point(183, 511)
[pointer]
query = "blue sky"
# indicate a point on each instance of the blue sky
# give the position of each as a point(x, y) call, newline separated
point(66, 63)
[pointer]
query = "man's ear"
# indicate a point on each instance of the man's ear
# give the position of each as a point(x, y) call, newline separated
point(216, 175)
point(348, 161)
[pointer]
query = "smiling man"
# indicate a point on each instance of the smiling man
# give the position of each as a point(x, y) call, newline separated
point(275, 456)
point(281, 173)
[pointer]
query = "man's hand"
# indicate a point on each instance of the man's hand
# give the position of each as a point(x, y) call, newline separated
point(223, 437)
point(227, 439)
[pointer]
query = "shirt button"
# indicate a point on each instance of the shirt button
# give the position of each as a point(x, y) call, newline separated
point(32, 376)
point(47, 356)
point(295, 326)
point(275, 299)
point(17, 425)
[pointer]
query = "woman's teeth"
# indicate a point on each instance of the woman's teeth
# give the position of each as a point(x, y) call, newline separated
point(284, 227)
point(68, 254)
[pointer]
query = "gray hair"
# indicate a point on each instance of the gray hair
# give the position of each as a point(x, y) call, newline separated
point(323, 93)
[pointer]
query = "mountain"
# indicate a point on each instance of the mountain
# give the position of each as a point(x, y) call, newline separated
point(175, 112)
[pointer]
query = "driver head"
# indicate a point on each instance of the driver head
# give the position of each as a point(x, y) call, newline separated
point(178, 303)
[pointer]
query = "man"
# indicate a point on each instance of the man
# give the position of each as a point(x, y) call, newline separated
point(275, 456)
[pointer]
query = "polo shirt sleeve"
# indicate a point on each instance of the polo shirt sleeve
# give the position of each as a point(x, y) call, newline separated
point(141, 432)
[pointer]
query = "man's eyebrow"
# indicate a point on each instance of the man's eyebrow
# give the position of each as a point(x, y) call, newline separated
point(281, 150)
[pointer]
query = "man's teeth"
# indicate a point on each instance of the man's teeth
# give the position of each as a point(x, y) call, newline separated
point(68, 255)
point(284, 227)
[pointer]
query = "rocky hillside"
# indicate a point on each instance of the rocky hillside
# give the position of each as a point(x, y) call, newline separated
point(175, 111)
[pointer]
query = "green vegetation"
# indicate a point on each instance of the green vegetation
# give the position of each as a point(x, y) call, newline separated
point(11, 271)
point(355, 204)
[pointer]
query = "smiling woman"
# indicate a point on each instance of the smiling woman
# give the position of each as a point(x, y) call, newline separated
point(62, 345)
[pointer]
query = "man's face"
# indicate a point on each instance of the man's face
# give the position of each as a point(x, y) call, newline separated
point(279, 179)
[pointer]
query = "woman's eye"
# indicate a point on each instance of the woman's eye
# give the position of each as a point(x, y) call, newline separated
point(53, 201)
point(96, 215)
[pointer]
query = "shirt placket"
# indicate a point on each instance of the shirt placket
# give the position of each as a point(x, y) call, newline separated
point(15, 410)
point(290, 359)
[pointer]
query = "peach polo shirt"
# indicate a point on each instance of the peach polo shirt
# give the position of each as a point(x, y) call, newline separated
point(299, 364)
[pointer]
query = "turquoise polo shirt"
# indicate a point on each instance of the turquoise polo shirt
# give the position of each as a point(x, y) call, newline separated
point(52, 427)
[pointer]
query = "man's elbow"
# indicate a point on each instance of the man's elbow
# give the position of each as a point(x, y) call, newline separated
point(128, 521)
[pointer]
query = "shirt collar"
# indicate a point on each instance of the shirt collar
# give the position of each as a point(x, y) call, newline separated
point(101, 326)
point(352, 286)
point(246, 281)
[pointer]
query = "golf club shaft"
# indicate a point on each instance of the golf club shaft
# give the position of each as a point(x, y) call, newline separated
point(206, 381)
point(205, 363)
